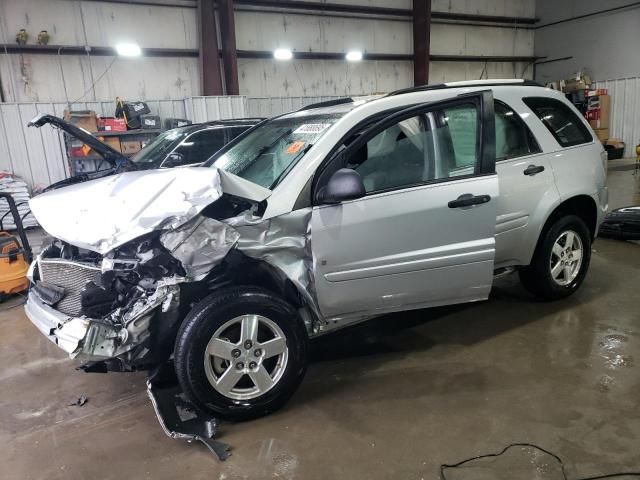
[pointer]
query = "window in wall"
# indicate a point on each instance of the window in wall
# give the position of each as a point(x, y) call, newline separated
point(565, 126)
point(513, 137)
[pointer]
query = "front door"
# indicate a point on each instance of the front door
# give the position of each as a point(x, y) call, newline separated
point(424, 233)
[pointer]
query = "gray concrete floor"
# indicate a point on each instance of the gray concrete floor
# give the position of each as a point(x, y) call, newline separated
point(391, 399)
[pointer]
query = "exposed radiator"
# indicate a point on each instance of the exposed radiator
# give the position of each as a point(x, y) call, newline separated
point(72, 277)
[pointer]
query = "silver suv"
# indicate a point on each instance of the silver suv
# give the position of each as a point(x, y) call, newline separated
point(312, 221)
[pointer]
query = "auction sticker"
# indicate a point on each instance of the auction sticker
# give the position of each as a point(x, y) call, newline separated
point(295, 147)
point(312, 128)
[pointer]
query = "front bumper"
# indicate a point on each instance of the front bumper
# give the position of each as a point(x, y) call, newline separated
point(75, 335)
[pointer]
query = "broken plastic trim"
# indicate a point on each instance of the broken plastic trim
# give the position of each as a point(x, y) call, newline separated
point(179, 418)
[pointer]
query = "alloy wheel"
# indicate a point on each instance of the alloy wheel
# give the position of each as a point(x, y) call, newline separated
point(246, 357)
point(566, 258)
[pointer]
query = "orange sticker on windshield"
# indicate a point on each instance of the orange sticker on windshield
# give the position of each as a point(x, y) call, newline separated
point(295, 147)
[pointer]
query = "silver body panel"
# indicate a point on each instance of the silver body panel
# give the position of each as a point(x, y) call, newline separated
point(404, 249)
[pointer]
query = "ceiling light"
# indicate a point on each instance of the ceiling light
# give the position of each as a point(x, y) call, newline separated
point(128, 49)
point(283, 54)
point(354, 56)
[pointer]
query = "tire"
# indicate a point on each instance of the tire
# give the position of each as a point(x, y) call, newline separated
point(217, 316)
point(538, 277)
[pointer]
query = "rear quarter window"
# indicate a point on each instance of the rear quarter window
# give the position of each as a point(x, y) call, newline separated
point(565, 126)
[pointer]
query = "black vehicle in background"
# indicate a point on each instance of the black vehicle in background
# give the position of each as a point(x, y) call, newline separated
point(179, 147)
point(190, 145)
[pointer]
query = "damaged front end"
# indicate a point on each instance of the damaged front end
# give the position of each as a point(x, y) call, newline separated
point(118, 306)
point(121, 275)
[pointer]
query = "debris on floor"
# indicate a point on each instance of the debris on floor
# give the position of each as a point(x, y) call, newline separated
point(178, 417)
point(81, 401)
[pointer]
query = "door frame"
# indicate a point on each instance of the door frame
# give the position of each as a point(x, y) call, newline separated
point(485, 145)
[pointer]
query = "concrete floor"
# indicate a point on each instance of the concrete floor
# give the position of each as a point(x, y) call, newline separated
point(392, 399)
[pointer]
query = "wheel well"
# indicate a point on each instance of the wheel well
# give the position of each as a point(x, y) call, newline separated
point(582, 206)
point(239, 269)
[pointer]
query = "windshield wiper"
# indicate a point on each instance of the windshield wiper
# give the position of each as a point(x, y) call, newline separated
point(292, 164)
point(274, 143)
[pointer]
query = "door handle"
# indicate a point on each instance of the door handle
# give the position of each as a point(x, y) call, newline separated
point(468, 200)
point(533, 170)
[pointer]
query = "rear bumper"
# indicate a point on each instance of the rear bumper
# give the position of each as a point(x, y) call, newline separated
point(602, 201)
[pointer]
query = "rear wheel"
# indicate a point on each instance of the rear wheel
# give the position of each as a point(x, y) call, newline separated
point(241, 353)
point(561, 259)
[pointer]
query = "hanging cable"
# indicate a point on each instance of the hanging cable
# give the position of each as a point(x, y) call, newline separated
point(96, 81)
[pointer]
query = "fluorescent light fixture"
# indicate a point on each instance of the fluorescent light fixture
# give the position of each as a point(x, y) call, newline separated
point(128, 49)
point(282, 54)
point(353, 56)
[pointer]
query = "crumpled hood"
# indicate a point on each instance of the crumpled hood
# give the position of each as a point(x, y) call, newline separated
point(103, 214)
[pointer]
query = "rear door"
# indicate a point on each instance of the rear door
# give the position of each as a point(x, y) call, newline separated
point(424, 233)
point(527, 188)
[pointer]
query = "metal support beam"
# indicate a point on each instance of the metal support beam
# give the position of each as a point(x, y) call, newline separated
point(211, 80)
point(421, 41)
point(392, 57)
point(332, 8)
point(12, 48)
point(229, 55)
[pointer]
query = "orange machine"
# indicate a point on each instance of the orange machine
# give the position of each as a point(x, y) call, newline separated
point(14, 259)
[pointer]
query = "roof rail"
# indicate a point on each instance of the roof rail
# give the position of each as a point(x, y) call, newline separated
point(328, 103)
point(468, 83)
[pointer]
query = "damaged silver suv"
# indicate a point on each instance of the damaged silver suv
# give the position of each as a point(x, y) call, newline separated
point(312, 221)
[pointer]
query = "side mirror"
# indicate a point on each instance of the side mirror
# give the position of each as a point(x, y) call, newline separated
point(174, 160)
point(345, 184)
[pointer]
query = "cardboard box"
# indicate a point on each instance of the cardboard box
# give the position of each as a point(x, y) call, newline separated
point(86, 119)
point(129, 147)
point(605, 110)
point(113, 142)
point(598, 111)
point(597, 92)
point(615, 142)
point(602, 134)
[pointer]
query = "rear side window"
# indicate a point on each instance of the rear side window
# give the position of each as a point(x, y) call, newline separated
point(513, 137)
point(565, 126)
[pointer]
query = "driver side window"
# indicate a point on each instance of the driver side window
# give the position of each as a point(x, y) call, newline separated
point(434, 146)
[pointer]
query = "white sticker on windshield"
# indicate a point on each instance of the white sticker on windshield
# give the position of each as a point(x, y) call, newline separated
point(312, 128)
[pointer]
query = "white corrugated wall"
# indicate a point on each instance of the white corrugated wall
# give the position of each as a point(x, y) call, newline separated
point(625, 110)
point(38, 154)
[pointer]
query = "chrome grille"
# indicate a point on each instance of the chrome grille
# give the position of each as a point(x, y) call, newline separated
point(72, 277)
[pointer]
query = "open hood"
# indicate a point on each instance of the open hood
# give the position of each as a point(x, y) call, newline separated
point(108, 212)
point(111, 155)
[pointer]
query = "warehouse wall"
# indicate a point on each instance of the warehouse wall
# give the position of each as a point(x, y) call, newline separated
point(270, 30)
point(605, 46)
point(71, 22)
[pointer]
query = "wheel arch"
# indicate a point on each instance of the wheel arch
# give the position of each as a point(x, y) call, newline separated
point(582, 206)
point(242, 270)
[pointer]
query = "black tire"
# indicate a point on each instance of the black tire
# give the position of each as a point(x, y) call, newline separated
point(537, 276)
point(200, 325)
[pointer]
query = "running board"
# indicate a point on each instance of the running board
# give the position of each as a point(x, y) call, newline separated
point(178, 417)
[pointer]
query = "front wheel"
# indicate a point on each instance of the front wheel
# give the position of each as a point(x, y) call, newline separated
point(561, 259)
point(241, 353)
